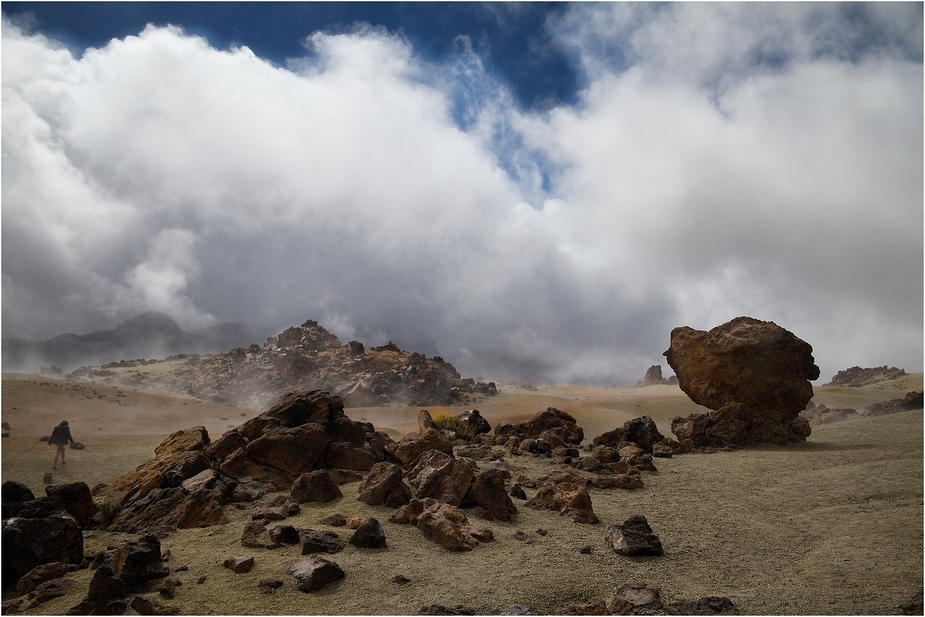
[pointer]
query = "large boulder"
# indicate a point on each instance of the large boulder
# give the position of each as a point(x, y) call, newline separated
point(754, 375)
point(559, 423)
point(412, 445)
point(634, 538)
point(30, 542)
point(442, 523)
point(570, 499)
point(313, 573)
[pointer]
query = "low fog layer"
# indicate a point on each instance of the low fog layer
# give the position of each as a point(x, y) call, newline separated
point(723, 160)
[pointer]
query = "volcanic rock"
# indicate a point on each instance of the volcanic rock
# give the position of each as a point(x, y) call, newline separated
point(441, 476)
point(284, 534)
point(857, 377)
point(48, 590)
point(137, 561)
point(384, 486)
point(239, 564)
point(13, 493)
point(30, 542)
point(255, 535)
point(567, 498)
point(369, 535)
point(636, 599)
point(314, 573)
point(707, 605)
point(560, 423)
point(412, 445)
point(475, 421)
point(753, 374)
point(634, 538)
point(314, 486)
point(643, 432)
point(443, 523)
point(105, 595)
point(488, 492)
point(45, 572)
point(314, 541)
point(912, 400)
point(150, 606)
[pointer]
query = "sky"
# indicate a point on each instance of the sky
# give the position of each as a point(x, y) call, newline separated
point(532, 191)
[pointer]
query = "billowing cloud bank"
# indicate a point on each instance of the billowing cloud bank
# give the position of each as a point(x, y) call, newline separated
point(723, 160)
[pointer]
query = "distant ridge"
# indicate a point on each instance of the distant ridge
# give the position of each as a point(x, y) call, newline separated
point(150, 335)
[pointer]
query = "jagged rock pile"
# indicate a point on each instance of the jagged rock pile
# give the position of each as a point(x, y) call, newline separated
point(857, 377)
point(310, 358)
point(753, 374)
point(191, 477)
point(820, 414)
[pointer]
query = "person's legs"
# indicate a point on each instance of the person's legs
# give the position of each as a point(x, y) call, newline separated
point(59, 452)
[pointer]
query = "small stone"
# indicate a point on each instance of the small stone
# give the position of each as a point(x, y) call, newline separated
point(585, 550)
point(334, 520)
point(401, 579)
point(355, 522)
point(239, 564)
point(269, 585)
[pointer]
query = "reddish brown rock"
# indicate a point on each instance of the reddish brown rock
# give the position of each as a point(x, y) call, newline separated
point(707, 605)
point(912, 400)
point(634, 538)
point(558, 422)
point(45, 572)
point(178, 456)
point(105, 595)
point(636, 599)
point(412, 445)
point(369, 535)
point(384, 486)
point(314, 573)
point(314, 541)
point(255, 535)
point(754, 375)
point(29, 542)
point(314, 486)
point(567, 498)
point(441, 476)
point(137, 561)
point(239, 564)
point(448, 526)
point(488, 492)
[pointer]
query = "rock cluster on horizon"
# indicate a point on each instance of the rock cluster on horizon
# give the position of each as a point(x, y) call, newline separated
point(857, 377)
point(308, 357)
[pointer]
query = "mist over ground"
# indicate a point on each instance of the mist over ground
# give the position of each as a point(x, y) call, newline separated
point(720, 160)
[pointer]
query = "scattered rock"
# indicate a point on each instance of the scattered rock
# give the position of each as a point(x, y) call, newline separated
point(30, 542)
point(255, 535)
point(314, 573)
point(239, 564)
point(567, 498)
point(443, 523)
point(915, 605)
point(912, 400)
point(586, 549)
point(314, 541)
point(857, 377)
point(487, 491)
point(168, 588)
point(269, 585)
point(634, 537)
point(412, 445)
point(401, 579)
point(708, 605)
point(384, 486)
point(48, 590)
point(514, 609)
point(369, 535)
point(334, 520)
point(45, 572)
point(105, 595)
point(597, 607)
point(284, 534)
point(441, 476)
point(439, 609)
point(355, 522)
point(636, 599)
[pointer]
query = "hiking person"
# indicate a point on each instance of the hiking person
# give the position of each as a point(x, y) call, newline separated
point(60, 436)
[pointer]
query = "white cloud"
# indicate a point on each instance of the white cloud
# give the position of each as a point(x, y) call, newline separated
point(688, 186)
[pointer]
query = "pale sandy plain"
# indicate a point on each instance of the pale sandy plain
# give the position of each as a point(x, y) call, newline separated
point(830, 526)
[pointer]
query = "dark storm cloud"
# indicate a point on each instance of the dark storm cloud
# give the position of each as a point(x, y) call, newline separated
point(722, 160)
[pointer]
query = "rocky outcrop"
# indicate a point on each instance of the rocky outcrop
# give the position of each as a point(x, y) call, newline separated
point(753, 374)
point(654, 378)
point(857, 377)
point(441, 476)
point(411, 445)
point(912, 400)
point(384, 486)
point(288, 447)
point(303, 358)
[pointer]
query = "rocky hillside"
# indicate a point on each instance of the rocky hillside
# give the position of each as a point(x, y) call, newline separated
point(304, 358)
point(857, 377)
point(152, 334)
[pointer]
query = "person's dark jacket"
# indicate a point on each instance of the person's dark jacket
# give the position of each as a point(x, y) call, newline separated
point(61, 434)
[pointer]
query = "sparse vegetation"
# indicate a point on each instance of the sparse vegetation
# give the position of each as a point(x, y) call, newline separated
point(452, 423)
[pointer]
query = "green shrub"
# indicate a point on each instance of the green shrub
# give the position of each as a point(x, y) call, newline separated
point(452, 423)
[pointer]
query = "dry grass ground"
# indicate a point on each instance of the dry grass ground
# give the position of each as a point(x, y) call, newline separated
point(830, 526)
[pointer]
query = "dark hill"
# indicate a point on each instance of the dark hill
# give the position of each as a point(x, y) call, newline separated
point(151, 335)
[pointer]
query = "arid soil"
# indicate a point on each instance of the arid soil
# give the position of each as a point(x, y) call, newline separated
point(830, 526)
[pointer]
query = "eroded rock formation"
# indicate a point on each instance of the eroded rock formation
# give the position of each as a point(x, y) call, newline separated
point(754, 375)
